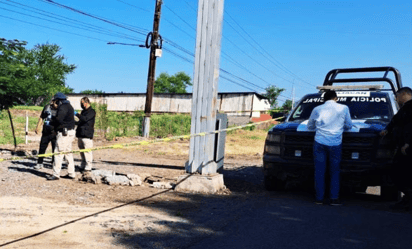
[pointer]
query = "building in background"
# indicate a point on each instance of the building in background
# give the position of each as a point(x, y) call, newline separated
point(240, 107)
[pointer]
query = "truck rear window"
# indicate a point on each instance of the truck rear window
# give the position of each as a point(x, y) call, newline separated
point(374, 107)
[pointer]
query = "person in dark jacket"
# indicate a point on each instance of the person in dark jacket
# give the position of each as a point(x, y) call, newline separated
point(48, 133)
point(64, 126)
point(85, 132)
point(400, 130)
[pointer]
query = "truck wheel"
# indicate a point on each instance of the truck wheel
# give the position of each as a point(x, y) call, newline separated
point(274, 184)
point(389, 193)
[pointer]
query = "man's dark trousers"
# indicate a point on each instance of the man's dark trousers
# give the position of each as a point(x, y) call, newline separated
point(327, 156)
point(44, 142)
point(401, 173)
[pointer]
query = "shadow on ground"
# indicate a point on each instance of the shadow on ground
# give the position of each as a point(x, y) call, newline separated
point(196, 217)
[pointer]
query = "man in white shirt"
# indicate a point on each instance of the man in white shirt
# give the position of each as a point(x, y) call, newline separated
point(329, 120)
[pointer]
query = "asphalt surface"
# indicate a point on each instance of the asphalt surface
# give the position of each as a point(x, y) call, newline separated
point(254, 218)
point(293, 221)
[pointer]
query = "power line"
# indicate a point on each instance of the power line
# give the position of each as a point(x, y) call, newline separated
point(183, 20)
point(116, 24)
point(283, 68)
point(63, 31)
point(120, 25)
point(105, 32)
point(260, 64)
point(224, 54)
point(100, 31)
point(134, 6)
point(165, 19)
point(225, 72)
point(271, 59)
point(66, 19)
point(230, 58)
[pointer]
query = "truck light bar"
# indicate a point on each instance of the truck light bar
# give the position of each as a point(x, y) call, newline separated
point(351, 87)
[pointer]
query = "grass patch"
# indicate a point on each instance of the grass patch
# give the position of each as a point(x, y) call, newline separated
point(253, 137)
point(6, 134)
point(30, 108)
point(243, 142)
point(123, 124)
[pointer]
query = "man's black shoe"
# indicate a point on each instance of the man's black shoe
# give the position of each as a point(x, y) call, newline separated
point(319, 202)
point(52, 178)
point(69, 177)
point(335, 202)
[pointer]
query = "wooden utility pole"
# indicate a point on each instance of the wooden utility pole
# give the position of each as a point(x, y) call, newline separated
point(205, 83)
point(153, 37)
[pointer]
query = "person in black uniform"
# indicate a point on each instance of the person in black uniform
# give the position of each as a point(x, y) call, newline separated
point(48, 133)
point(84, 133)
point(400, 130)
point(64, 126)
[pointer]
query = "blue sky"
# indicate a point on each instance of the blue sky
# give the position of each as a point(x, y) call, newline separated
point(290, 44)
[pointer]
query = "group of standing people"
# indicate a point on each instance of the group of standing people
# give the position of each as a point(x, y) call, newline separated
point(59, 130)
point(331, 119)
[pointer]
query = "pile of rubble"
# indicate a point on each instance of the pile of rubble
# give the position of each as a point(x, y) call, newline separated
point(112, 178)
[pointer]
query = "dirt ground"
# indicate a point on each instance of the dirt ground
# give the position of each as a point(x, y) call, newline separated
point(36, 213)
point(75, 214)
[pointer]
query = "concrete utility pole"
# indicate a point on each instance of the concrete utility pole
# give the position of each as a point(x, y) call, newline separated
point(154, 45)
point(205, 83)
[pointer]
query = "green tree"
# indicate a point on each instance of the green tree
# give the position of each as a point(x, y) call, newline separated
point(287, 106)
point(92, 91)
point(172, 84)
point(47, 72)
point(11, 71)
point(272, 93)
point(30, 76)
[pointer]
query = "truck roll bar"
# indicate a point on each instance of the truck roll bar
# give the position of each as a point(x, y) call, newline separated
point(332, 74)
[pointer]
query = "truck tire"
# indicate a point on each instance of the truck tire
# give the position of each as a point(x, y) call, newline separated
point(273, 183)
point(389, 193)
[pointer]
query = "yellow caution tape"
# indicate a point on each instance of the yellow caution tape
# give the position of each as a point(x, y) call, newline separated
point(46, 155)
point(119, 146)
point(85, 150)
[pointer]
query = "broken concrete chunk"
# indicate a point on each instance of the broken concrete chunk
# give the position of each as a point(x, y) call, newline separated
point(144, 176)
point(90, 177)
point(103, 173)
point(162, 185)
point(116, 180)
point(135, 180)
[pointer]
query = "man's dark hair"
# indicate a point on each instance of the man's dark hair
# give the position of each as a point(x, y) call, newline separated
point(330, 95)
point(406, 90)
point(86, 100)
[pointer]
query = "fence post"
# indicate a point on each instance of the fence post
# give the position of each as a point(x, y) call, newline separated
point(27, 127)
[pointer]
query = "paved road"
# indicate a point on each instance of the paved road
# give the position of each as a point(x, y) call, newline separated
point(293, 221)
point(254, 218)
